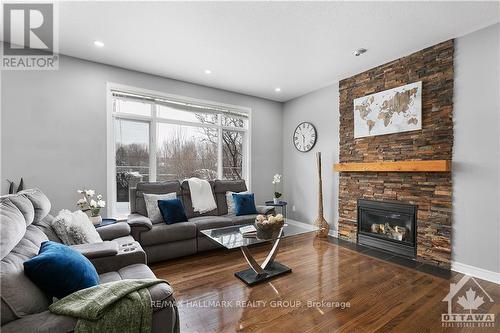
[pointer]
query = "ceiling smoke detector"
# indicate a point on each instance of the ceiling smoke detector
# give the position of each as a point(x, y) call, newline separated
point(359, 52)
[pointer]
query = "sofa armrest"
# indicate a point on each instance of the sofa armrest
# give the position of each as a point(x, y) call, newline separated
point(160, 292)
point(97, 250)
point(138, 224)
point(265, 209)
point(165, 312)
point(112, 231)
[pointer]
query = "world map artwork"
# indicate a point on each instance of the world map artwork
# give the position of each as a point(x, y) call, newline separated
point(389, 111)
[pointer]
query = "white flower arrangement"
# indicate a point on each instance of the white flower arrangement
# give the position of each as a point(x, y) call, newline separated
point(87, 202)
point(276, 181)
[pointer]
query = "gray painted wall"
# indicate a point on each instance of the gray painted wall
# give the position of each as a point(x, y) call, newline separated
point(321, 108)
point(476, 150)
point(53, 127)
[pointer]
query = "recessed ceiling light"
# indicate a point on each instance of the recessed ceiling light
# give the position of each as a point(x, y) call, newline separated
point(208, 71)
point(277, 89)
point(359, 52)
point(98, 43)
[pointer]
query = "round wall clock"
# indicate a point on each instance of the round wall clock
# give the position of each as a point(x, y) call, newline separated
point(304, 137)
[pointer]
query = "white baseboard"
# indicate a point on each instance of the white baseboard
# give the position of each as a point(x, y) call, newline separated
point(476, 272)
point(332, 232)
point(301, 224)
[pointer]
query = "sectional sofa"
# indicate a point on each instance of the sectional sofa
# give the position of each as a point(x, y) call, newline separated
point(162, 241)
point(24, 225)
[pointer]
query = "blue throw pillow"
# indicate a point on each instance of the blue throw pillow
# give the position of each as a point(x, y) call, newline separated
point(244, 204)
point(172, 211)
point(59, 270)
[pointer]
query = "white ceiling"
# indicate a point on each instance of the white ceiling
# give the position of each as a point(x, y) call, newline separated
point(253, 47)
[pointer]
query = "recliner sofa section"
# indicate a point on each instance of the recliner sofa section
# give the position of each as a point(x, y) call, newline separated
point(118, 249)
point(163, 241)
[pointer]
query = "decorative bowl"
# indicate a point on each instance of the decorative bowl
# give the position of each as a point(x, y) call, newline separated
point(269, 226)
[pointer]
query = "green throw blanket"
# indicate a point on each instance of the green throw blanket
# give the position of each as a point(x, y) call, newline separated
point(119, 306)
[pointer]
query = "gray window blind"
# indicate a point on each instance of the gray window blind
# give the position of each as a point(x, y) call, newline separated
point(180, 104)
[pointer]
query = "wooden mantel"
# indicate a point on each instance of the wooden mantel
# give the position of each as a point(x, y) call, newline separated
point(401, 166)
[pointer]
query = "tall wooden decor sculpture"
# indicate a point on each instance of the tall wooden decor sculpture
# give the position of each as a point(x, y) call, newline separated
point(323, 226)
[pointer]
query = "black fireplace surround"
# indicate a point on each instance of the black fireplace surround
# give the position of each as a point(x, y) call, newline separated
point(388, 225)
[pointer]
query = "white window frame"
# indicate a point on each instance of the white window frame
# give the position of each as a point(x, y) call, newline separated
point(153, 120)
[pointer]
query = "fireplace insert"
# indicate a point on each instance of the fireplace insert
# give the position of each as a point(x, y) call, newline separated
point(390, 226)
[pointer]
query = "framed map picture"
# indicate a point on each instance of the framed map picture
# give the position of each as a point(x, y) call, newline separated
point(389, 111)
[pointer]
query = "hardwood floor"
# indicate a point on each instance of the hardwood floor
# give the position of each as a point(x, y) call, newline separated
point(383, 297)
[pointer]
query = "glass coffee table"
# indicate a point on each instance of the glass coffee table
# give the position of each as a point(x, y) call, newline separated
point(231, 238)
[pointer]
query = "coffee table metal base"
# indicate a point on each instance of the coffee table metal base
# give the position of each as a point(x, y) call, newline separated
point(265, 271)
point(250, 277)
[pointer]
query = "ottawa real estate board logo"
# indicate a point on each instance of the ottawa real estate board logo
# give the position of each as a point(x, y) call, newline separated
point(468, 305)
point(30, 39)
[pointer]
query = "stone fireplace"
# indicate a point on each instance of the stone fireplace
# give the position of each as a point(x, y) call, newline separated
point(430, 193)
point(390, 226)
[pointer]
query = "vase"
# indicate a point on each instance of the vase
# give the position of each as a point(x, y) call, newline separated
point(276, 201)
point(96, 219)
point(320, 223)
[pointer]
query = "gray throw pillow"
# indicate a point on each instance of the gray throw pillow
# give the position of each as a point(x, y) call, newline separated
point(151, 200)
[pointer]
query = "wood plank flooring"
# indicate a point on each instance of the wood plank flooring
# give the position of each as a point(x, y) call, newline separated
point(382, 296)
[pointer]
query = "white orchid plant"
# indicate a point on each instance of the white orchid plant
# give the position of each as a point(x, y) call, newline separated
point(88, 203)
point(276, 181)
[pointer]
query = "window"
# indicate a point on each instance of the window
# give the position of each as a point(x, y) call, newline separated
point(131, 158)
point(162, 138)
point(232, 154)
point(186, 151)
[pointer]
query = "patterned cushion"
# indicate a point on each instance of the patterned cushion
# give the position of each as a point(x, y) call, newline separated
point(75, 228)
point(151, 200)
point(139, 206)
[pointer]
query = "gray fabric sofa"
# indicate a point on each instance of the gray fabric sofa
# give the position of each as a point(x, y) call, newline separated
point(162, 241)
point(24, 307)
